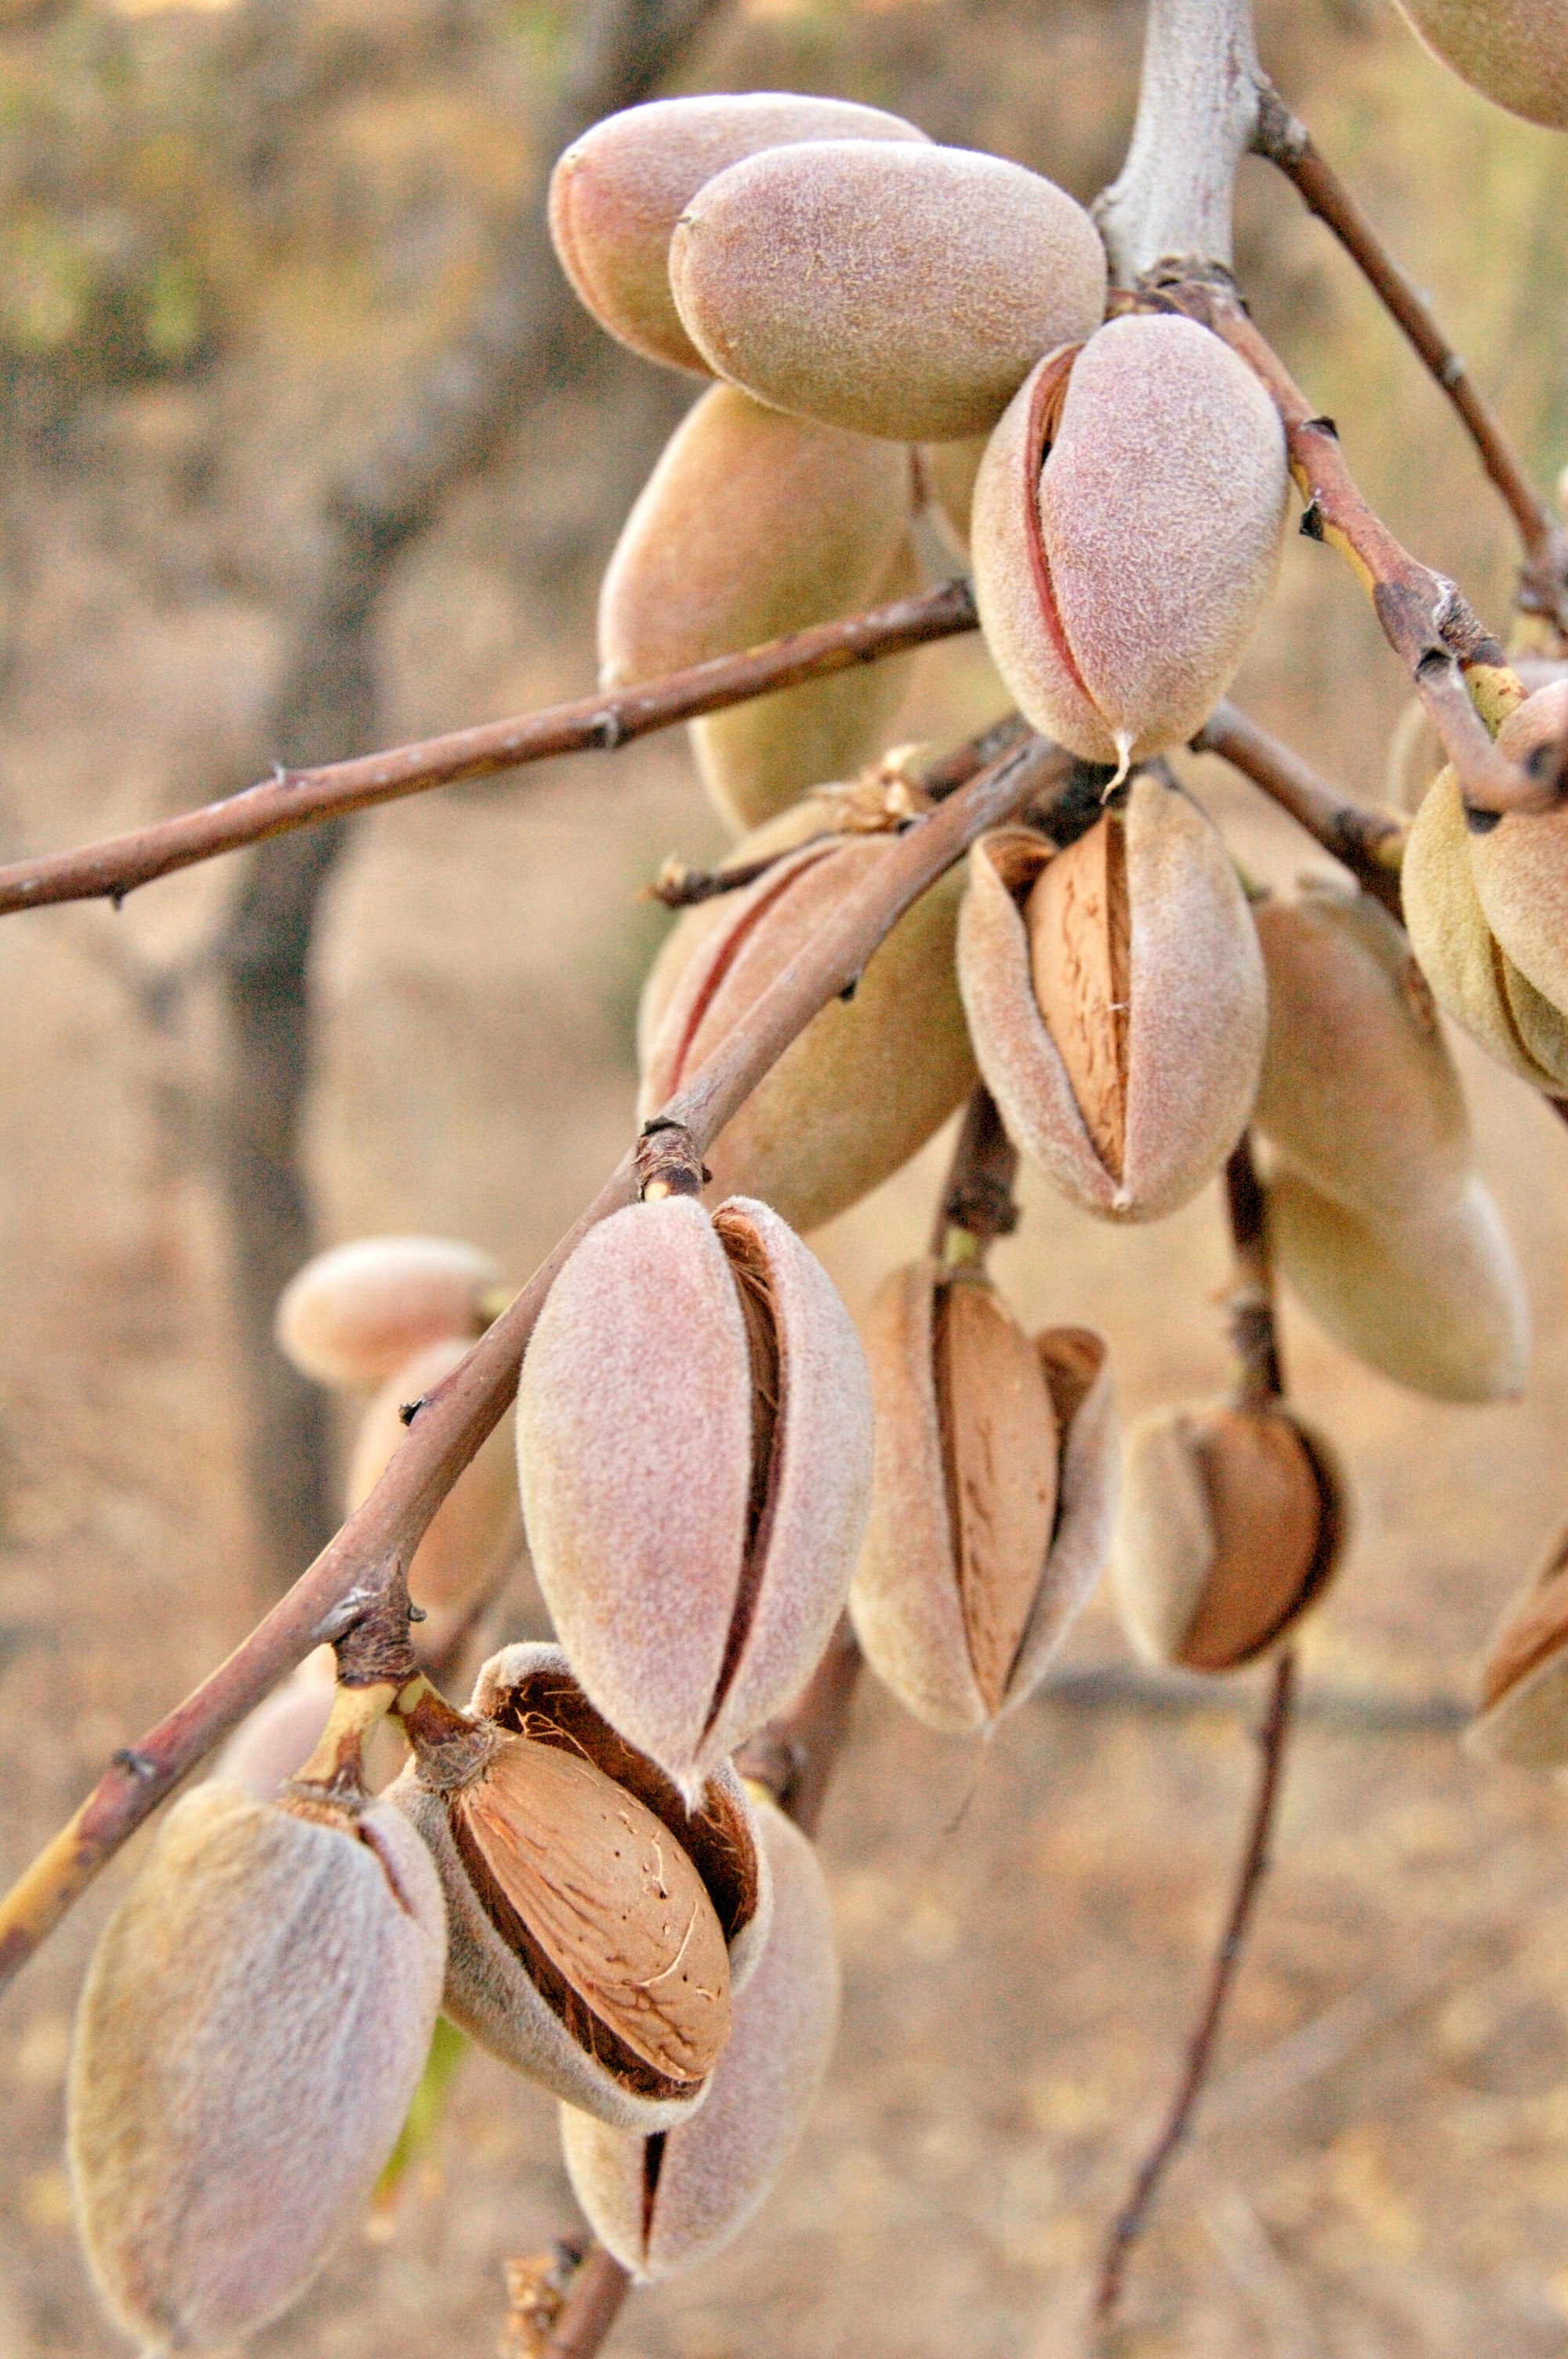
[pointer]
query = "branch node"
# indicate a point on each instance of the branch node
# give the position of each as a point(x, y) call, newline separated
point(669, 1161)
point(607, 731)
point(135, 1763)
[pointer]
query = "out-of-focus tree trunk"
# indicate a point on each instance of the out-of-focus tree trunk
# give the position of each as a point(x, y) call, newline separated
point(527, 338)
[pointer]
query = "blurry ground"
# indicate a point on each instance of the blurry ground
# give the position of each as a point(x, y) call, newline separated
point(1383, 2169)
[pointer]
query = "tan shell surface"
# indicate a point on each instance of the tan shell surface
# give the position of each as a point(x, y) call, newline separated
point(756, 758)
point(1434, 1301)
point(905, 1602)
point(1195, 1026)
point(1521, 864)
point(611, 1897)
point(892, 291)
point(1514, 52)
point(617, 193)
point(1079, 928)
point(750, 525)
point(869, 1079)
point(489, 1993)
point(353, 1315)
point(716, 2170)
point(1164, 1542)
point(1160, 510)
point(1358, 1090)
point(476, 1533)
point(1471, 978)
point(254, 2025)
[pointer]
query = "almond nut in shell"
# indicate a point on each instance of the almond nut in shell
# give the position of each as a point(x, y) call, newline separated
point(992, 1494)
point(1116, 1001)
point(598, 1925)
point(663, 2204)
point(1231, 1524)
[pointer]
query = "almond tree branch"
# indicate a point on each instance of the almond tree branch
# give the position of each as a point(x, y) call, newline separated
point(375, 1545)
point(294, 799)
point(1371, 842)
point(1459, 671)
point(1543, 577)
point(1197, 116)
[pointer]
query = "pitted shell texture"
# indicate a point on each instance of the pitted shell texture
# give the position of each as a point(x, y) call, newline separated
point(355, 1314)
point(1523, 1715)
point(1231, 1526)
point(893, 290)
point(692, 1537)
point(992, 1496)
point(869, 1079)
point(1126, 529)
point(1433, 1300)
point(524, 2002)
point(1171, 1075)
point(254, 2025)
point(661, 2207)
point(1358, 1090)
point(1514, 52)
point(617, 193)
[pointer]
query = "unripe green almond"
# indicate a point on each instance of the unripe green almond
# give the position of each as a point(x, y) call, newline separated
point(1523, 1715)
point(1358, 1090)
point(694, 1445)
point(617, 193)
point(1472, 978)
point(355, 1313)
point(253, 2023)
point(1126, 529)
point(1514, 52)
point(511, 1983)
point(1231, 1526)
point(1132, 1085)
point(476, 1533)
point(753, 525)
point(993, 1486)
point(895, 291)
point(869, 1079)
point(1434, 1301)
point(664, 2211)
point(1521, 864)
point(757, 759)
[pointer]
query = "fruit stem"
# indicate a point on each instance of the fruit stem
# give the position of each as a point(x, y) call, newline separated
point(1260, 1378)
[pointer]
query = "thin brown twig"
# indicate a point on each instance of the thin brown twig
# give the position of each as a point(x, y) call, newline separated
point(1287, 143)
point(296, 798)
point(1260, 1380)
point(1371, 842)
point(1458, 670)
point(978, 1199)
point(380, 1537)
point(1129, 2222)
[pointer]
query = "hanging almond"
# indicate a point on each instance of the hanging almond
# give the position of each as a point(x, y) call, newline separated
point(694, 1444)
point(662, 2205)
point(1523, 1715)
point(599, 1927)
point(253, 2023)
point(1231, 1524)
point(992, 1498)
point(1126, 528)
point(869, 1079)
point(355, 1313)
point(1116, 1001)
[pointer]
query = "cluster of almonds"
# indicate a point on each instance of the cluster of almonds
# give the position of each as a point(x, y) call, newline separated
point(572, 1869)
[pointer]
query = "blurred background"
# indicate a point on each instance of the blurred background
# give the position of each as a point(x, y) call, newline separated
point(306, 451)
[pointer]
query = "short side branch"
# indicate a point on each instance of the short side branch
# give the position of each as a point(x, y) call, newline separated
point(1287, 143)
point(1371, 842)
point(594, 724)
point(1197, 116)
